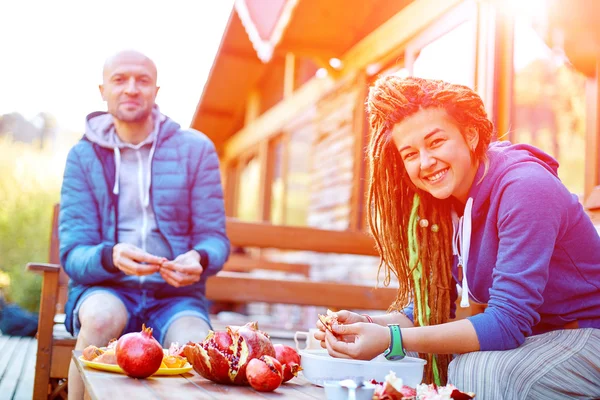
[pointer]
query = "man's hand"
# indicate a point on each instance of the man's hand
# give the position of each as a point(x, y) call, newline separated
point(134, 261)
point(183, 270)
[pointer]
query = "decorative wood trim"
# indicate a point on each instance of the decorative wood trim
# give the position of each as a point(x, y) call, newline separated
point(266, 181)
point(360, 142)
point(252, 107)
point(289, 74)
point(285, 163)
point(503, 71)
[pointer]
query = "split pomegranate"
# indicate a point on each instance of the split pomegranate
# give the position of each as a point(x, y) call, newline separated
point(264, 374)
point(223, 356)
point(139, 354)
point(289, 359)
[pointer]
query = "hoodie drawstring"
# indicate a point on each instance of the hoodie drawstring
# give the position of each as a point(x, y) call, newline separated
point(117, 170)
point(461, 244)
point(149, 174)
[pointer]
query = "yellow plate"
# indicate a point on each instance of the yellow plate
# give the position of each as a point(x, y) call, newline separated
point(115, 368)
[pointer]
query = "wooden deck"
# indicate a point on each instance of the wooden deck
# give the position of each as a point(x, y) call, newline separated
point(17, 367)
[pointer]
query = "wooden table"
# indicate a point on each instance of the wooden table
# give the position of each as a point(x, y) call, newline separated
point(102, 385)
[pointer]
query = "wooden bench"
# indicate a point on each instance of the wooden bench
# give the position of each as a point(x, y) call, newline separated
point(55, 345)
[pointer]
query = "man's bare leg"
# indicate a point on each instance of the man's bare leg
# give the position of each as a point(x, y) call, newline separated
point(186, 329)
point(103, 317)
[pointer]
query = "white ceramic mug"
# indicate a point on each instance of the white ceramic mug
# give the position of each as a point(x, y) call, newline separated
point(310, 343)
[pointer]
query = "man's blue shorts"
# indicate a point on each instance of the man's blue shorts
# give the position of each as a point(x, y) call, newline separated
point(143, 308)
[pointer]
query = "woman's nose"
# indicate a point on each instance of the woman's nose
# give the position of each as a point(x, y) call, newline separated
point(427, 160)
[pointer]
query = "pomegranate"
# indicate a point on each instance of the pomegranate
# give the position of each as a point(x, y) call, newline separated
point(264, 374)
point(223, 356)
point(139, 354)
point(289, 359)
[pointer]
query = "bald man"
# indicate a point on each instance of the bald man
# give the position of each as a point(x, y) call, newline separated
point(142, 222)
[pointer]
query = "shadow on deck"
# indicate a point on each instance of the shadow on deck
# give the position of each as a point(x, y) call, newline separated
point(17, 367)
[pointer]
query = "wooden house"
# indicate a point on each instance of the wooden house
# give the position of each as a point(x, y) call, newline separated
point(284, 101)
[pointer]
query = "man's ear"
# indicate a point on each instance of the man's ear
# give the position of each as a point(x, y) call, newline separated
point(101, 89)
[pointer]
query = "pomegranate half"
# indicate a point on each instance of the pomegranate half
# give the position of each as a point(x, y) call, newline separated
point(223, 356)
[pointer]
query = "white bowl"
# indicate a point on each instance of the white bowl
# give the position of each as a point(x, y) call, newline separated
point(318, 367)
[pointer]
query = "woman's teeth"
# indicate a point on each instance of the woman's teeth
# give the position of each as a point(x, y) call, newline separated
point(437, 176)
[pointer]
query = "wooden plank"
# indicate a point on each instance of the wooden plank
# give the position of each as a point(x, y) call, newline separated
point(13, 366)
point(3, 341)
point(207, 388)
point(102, 385)
point(24, 389)
point(175, 387)
point(263, 235)
point(239, 287)
point(8, 350)
point(241, 263)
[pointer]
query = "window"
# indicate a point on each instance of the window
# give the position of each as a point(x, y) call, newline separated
point(297, 199)
point(549, 104)
point(447, 50)
point(451, 57)
point(277, 184)
point(248, 196)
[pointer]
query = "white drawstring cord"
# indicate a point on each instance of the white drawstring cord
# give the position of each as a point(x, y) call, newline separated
point(117, 170)
point(461, 244)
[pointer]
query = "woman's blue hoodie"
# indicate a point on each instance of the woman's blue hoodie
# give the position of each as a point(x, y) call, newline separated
point(533, 254)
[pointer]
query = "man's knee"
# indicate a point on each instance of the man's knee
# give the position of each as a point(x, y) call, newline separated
point(102, 315)
point(186, 329)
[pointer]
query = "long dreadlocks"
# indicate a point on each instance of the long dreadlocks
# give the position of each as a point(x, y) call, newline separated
point(412, 229)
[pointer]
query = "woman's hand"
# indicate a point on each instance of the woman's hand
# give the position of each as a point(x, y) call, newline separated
point(369, 340)
point(342, 317)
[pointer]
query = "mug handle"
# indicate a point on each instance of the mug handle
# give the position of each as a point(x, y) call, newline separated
point(296, 339)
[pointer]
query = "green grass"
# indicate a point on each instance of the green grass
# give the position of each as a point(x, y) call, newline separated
point(29, 185)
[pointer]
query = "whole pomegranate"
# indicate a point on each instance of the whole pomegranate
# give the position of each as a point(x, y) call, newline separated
point(264, 374)
point(289, 359)
point(223, 356)
point(138, 353)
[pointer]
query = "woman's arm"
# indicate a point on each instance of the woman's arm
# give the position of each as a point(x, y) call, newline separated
point(370, 340)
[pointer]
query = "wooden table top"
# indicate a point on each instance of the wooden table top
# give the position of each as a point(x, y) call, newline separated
point(101, 385)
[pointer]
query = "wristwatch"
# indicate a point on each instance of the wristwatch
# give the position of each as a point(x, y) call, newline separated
point(395, 352)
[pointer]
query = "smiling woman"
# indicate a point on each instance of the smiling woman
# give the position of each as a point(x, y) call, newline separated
point(448, 206)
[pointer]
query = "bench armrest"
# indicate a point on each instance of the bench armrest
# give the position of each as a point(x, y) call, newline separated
point(40, 268)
